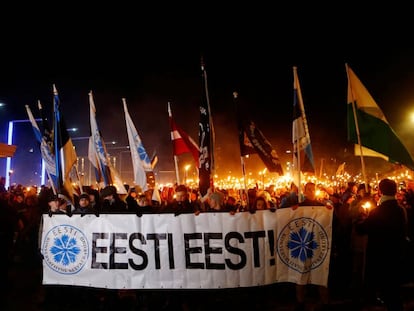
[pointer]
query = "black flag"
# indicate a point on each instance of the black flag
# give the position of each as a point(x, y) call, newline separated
point(263, 148)
point(205, 138)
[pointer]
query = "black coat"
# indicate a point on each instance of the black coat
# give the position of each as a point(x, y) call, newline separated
point(386, 230)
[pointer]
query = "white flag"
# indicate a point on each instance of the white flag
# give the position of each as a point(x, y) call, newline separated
point(141, 163)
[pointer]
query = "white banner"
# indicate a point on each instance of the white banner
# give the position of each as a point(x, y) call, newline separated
point(211, 250)
point(304, 245)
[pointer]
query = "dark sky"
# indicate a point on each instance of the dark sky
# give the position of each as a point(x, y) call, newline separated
point(151, 62)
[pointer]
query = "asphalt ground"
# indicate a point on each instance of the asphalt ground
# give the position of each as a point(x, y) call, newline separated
point(23, 291)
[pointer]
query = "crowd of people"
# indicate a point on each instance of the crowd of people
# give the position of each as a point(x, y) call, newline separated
point(371, 228)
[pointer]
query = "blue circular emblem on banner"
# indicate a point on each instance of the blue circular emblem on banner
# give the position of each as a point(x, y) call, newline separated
point(65, 249)
point(303, 244)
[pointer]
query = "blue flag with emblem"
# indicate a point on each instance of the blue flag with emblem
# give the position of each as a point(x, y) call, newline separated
point(141, 162)
point(302, 148)
point(45, 148)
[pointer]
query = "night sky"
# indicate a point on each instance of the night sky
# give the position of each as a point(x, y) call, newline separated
point(153, 62)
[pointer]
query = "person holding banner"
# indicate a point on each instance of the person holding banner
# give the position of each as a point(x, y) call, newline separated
point(84, 206)
point(291, 198)
point(111, 202)
point(59, 205)
point(181, 203)
point(215, 203)
point(309, 193)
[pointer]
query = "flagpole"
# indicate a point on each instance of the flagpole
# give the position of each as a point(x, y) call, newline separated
point(39, 105)
point(56, 139)
point(46, 131)
point(177, 174)
point(357, 130)
point(141, 162)
point(51, 182)
point(42, 142)
point(244, 182)
point(212, 134)
point(321, 168)
point(301, 130)
point(206, 139)
point(297, 162)
point(235, 96)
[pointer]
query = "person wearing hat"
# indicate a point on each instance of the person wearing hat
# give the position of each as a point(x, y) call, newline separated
point(59, 205)
point(94, 198)
point(132, 199)
point(111, 202)
point(84, 206)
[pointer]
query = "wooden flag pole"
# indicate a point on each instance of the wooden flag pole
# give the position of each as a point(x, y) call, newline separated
point(357, 131)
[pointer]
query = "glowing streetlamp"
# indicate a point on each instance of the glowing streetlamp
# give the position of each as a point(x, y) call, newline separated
point(8, 160)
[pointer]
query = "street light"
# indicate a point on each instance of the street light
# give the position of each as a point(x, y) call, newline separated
point(8, 160)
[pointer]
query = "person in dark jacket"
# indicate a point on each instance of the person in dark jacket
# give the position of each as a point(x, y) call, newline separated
point(181, 203)
point(84, 206)
point(385, 228)
point(132, 200)
point(111, 202)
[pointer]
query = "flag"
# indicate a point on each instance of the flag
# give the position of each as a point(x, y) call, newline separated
point(106, 174)
point(97, 152)
point(246, 146)
point(300, 131)
point(47, 132)
point(141, 162)
point(304, 245)
point(263, 148)
point(48, 150)
point(341, 169)
point(65, 155)
point(117, 181)
point(366, 152)
point(35, 127)
point(154, 161)
point(182, 142)
point(45, 146)
point(205, 140)
point(7, 151)
point(375, 133)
